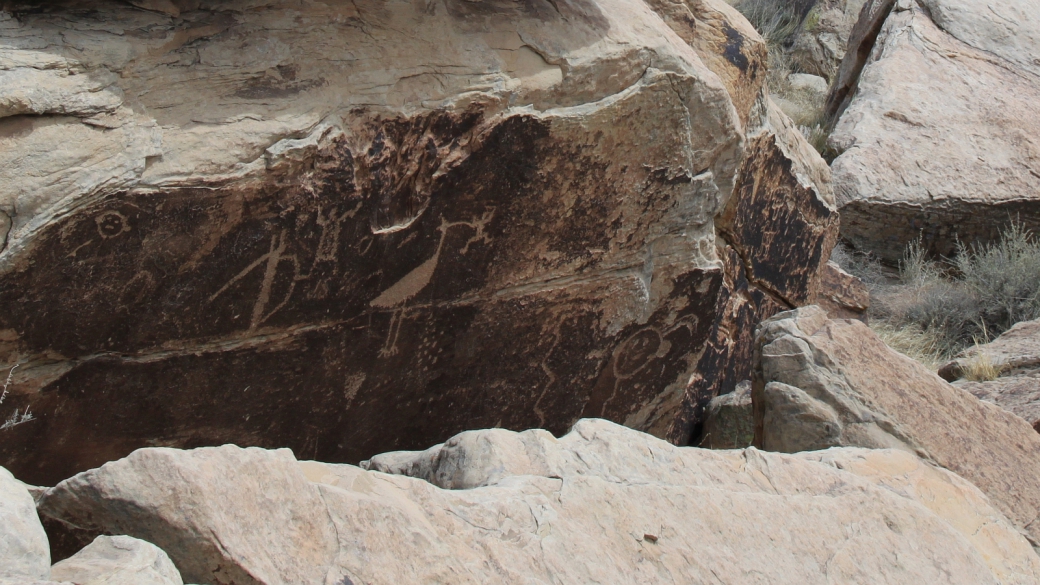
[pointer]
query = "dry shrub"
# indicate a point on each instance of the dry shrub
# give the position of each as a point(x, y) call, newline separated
point(1003, 277)
point(778, 21)
point(938, 308)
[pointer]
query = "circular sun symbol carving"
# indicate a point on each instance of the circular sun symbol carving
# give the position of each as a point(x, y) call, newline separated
point(111, 223)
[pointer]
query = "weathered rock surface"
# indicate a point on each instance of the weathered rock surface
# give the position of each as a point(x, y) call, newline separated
point(822, 383)
point(24, 554)
point(1015, 355)
point(118, 560)
point(1019, 394)
point(842, 295)
point(940, 138)
point(821, 44)
point(352, 228)
point(1014, 352)
point(728, 421)
point(602, 504)
point(223, 514)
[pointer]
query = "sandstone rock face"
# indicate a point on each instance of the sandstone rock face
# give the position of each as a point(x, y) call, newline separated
point(841, 294)
point(352, 228)
point(1019, 394)
point(860, 43)
point(940, 139)
point(821, 383)
point(602, 504)
point(118, 560)
point(729, 422)
point(24, 554)
point(223, 514)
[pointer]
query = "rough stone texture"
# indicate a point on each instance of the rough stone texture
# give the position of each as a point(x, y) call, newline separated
point(1016, 356)
point(729, 422)
point(1016, 351)
point(354, 227)
point(781, 182)
point(860, 43)
point(24, 554)
point(821, 382)
point(940, 139)
point(223, 514)
point(726, 43)
point(1019, 394)
point(841, 294)
point(813, 84)
point(118, 560)
point(607, 504)
point(821, 44)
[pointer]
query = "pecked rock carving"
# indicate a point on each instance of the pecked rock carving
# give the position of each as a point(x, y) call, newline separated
point(352, 228)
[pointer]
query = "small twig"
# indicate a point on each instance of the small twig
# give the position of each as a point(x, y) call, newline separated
point(10, 375)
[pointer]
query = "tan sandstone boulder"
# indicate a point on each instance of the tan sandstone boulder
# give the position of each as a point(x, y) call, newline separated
point(223, 514)
point(354, 227)
point(821, 383)
point(822, 42)
point(940, 138)
point(118, 560)
point(602, 504)
point(24, 553)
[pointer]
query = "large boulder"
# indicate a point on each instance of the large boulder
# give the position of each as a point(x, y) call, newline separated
point(603, 504)
point(223, 514)
point(118, 560)
point(821, 383)
point(939, 138)
point(24, 552)
point(354, 227)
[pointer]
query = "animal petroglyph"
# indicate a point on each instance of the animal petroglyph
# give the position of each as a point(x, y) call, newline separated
point(415, 281)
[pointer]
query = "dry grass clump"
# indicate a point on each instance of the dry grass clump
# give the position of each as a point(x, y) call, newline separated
point(980, 368)
point(913, 342)
point(935, 309)
point(778, 21)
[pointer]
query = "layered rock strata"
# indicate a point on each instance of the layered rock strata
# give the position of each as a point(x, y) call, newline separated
point(602, 504)
point(356, 227)
point(939, 137)
point(821, 383)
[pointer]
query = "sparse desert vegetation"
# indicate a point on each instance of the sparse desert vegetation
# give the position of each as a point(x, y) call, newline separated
point(801, 94)
point(931, 309)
